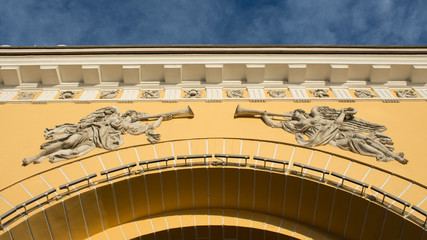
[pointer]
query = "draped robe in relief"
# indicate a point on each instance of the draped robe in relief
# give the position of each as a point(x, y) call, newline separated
point(322, 134)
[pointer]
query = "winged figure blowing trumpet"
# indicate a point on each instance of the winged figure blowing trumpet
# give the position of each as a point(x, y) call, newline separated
point(339, 128)
point(103, 128)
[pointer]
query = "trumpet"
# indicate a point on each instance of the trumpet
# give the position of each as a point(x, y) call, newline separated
point(246, 112)
point(183, 113)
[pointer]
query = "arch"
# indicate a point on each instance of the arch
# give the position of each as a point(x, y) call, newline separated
point(180, 196)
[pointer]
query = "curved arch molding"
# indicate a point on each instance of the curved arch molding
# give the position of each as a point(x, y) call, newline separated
point(207, 201)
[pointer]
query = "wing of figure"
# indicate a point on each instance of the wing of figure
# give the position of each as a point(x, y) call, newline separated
point(360, 125)
point(99, 115)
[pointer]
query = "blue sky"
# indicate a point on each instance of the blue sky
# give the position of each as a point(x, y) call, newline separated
point(174, 22)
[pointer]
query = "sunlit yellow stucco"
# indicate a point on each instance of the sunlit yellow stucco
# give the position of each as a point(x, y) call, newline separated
point(215, 200)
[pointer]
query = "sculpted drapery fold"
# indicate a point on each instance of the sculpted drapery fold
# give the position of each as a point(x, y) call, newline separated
point(339, 128)
point(103, 128)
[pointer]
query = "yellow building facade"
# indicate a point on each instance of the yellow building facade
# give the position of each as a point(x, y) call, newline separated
point(235, 159)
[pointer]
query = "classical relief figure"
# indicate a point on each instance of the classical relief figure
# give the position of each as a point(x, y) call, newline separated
point(103, 128)
point(339, 128)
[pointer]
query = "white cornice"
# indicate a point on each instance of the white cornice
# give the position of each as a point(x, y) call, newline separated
point(214, 49)
point(213, 65)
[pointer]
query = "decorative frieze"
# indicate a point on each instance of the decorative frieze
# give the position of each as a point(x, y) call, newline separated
point(215, 94)
point(67, 95)
point(108, 94)
point(192, 93)
point(360, 93)
point(405, 93)
point(320, 93)
point(26, 95)
point(236, 93)
point(150, 94)
point(277, 93)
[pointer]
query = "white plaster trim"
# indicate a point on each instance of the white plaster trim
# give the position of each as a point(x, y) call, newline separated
point(7, 95)
point(129, 94)
point(299, 93)
point(47, 95)
point(214, 94)
point(256, 94)
point(88, 95)
point(422, 92)
point(385, 95)
point(172, 94)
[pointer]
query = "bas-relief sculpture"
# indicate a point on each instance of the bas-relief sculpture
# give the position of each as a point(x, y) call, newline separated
point(405, 93)
point(363, 94)
point(26, 95)
point(108, 94)
point(150, 94)
point(104, 129)
point(67, 95)
point(320, 93)
point(339, 128)
point(235, 94)
point(193, 93)
point(277, 93)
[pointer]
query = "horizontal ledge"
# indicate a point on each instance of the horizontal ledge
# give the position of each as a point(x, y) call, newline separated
point(127, 166)
point(165, 159)
point(211, 49)
point(271, 160)
point(386, 194)
point(194, 156)
point(302, 166)
point(419, 210)
point(350, 179)
point(67, 185)
point(231, 156)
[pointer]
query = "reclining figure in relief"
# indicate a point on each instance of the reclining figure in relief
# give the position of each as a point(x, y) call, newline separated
point(339, 128)
point(103, 128)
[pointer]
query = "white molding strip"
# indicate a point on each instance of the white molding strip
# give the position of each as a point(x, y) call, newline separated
point(214, 94)
point(299, 94)
point(88, 95)
point(129, 95)
point(256, 94)
point(7, 95)
point(385, 95)
point(172, 94)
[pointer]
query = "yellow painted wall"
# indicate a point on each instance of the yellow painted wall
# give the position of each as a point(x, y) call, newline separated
point(22, 126)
